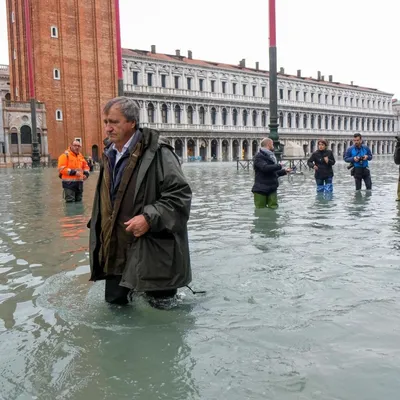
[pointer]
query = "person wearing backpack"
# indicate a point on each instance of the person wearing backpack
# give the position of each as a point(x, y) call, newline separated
point(73, 170)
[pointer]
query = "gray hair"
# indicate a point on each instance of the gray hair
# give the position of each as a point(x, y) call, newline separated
point(266, 141)
point(129, 108)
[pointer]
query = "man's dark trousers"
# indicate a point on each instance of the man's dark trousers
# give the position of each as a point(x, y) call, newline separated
point(362, 174)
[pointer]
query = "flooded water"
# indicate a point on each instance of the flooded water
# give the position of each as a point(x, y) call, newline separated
point(302, 302)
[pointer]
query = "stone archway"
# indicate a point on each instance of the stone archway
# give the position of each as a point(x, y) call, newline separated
point(95, 153)
point(312, 146)
point(14, 142)
point(245, 149)
point(236, 150)
point(191, 146)
point(214, 149)
point(224, 156)
point(254, 147)
point(26, 139)
point(178, 145)
point(339, 149)
point(333, 148)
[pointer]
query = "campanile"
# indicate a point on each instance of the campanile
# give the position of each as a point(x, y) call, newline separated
point(74, 65)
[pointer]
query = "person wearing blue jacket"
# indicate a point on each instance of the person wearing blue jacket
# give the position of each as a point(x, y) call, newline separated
point(359, 155)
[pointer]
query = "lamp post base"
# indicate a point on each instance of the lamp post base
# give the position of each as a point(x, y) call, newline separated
point(273, 135)
point(35, 155)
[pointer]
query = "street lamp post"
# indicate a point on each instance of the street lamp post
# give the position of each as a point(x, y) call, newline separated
point(273, 83)
point(119, 50)
point(35, 145)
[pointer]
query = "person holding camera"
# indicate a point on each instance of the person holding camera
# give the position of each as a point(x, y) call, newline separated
point(358, 156)
point(397, 162)
point(321, 161)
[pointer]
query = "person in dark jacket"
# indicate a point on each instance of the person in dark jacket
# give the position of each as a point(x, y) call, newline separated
point(397, 162)
point(267, 172)
point(322, 161)
point(138, 229)
point(358, 156)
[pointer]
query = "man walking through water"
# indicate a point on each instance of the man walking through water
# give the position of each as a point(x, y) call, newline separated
point(358, 156)
point(267, 172)
point(138, 229)
point(73, 170)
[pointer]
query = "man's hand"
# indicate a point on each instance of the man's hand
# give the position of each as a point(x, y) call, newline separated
point(326, 159)
point(85, 177)
point(315, 167)
point(138, 225)
point(288, 170)
point(365, 157)
point(356, 159)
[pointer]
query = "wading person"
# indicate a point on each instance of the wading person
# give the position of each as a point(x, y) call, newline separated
point(73, 170)
point(322, 161)
point(397, 162)
point(358, 156)
point(267, 172)
point(138, 229)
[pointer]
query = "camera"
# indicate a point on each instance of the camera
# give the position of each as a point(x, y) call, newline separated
point(350, 166)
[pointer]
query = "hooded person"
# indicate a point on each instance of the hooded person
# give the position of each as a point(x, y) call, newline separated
point(322, 162)
point(267, 171)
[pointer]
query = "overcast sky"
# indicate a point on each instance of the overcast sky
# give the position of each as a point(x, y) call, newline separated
point(353, 40)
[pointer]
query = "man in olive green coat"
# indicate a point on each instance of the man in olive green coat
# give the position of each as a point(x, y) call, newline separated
point(138, 229)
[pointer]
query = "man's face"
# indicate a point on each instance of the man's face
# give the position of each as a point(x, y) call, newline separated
point(117, 128)
point(357, 141)
point(76, 147)
point(270, 146)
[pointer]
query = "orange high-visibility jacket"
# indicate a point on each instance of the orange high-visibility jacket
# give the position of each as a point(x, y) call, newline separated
point(69, 162)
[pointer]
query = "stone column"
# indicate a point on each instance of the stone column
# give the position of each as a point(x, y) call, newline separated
point(185, 150)
point(230, 149)
point(219, 150)
point(19, 144)
point(6, 142)
point(197, 148)
point(209, 150)
point(184, 118)
point(285, 120)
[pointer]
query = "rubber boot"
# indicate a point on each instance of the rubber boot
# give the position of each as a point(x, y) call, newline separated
point(328, 188)
point(320, 188)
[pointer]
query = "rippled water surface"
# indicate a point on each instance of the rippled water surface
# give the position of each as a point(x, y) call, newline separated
point(301, 303)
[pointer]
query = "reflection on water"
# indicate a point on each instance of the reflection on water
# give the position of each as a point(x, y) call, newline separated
point(302, 302)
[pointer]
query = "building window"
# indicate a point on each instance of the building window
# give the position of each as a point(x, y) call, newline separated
point(289, 119)
point(234, 88)
point(190, 115)
point(345, 101)
point(244, 117)
point(326, 99)
point(189, 83)
point(224, 116)
point(333, 99)
point(223, 87)
point(201, 115)
point(150, 113)
point(305, 120)
point(319, 98)
point(164, 114)
point(289, 94)
point(263, 91)
point(12, 17)
point(297, 95)
point(149, 79)
point(320, 122)
point(213, 116)
point(15, 54)
point(281, 119)
point(59, 115)
point(254, 90)
point(312, 97)
point(16, 91)
point(135, 77)
point(234, 117)
point(56, 74)
point(254, 118)
point(201, 85)
point(264, 119)
point(244, 90)
point(14, 138)
point(176, 82)
point(26, 134)
point(280, 94)
point(54, 32)
point(177, 114)
point(164, 81)
point(332, 122)
point(213, 86)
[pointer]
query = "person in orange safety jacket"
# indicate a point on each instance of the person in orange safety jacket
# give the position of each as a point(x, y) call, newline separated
point(73, 170)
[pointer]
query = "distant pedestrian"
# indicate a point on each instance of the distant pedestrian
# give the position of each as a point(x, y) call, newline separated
point(267, 172)
point(73, 170)
point(322, 161)
point(90, 163)
point(397, 162)
point(358, 156)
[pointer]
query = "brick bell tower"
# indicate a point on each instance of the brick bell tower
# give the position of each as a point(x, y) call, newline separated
point(74, 66)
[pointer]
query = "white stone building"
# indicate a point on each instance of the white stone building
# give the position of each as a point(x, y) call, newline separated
point(219, 111)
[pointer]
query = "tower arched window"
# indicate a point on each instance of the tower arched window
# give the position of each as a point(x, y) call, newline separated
point(213, 116)
point(224, 116)
point(150, 113)
point(190, 115)
point(234, 116)
point(59, 115)
point(333, 122)
point(289, 118)
point(177, 114)
point(54, 32)
point(297, 118)
point(244, 117)
point(312, 121)
point(201, 115)
point(305, 119)
point(319, 122)
point(254, 118)
point(164, 114)
point(326, 122)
